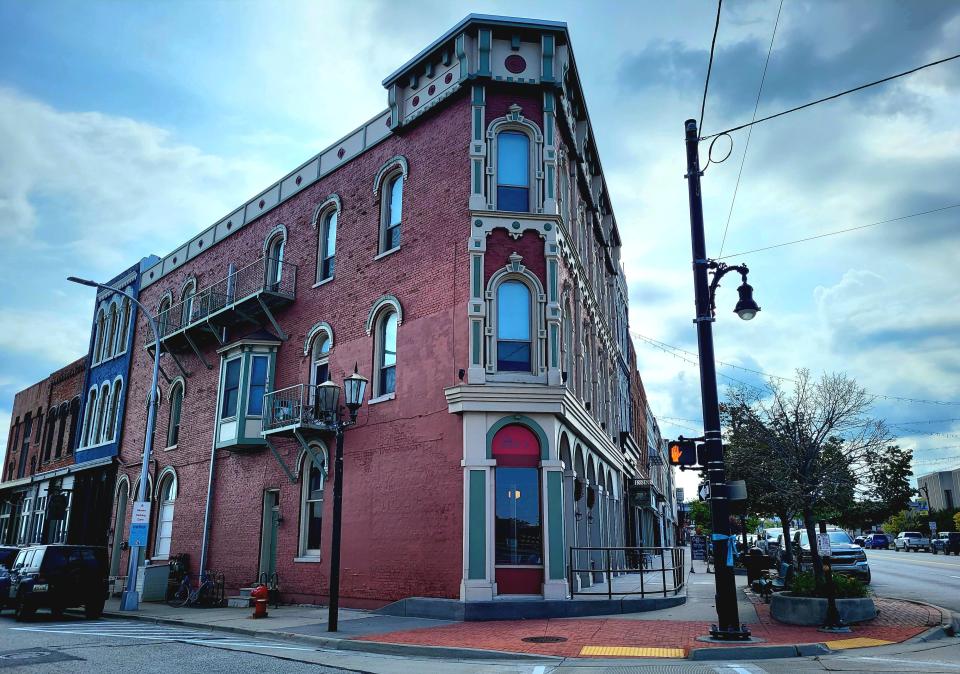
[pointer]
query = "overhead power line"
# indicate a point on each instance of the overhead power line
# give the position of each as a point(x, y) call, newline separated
point(706, 84)
point(676, 350)
point(746, 145)
point(830, 98)
point(839, 231)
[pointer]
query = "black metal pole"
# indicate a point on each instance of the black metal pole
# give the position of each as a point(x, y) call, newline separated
point(335, 541)
point(834, 622)
point(728, 618)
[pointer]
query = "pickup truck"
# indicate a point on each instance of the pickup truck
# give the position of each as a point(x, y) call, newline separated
point(911, 540)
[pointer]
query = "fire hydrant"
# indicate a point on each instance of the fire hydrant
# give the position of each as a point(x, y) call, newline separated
point(259, 596)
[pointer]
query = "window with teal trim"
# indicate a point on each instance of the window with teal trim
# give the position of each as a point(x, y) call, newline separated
point(231, 388)
point(513, 171)
point(513, 327)
point(258, 385)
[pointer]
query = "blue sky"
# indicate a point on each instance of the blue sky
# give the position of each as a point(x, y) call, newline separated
point(127, 127)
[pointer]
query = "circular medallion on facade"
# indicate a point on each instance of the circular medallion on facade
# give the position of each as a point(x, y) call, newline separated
point(416, 101)
point(299, 179)
point(448, 79)
point(386, 122)
point(151, 274)
point(340, 153)
point(478, 223)
point(174, 260)
point(547, 226)
point(515, 64)
point(515, 224)
point(229, 224)
point(262, 203)
point(432, 90)
point(200, 243)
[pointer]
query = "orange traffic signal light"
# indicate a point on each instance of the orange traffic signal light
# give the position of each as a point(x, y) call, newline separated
point(682, 452)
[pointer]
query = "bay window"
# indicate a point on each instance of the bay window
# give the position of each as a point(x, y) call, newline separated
point(246, 375)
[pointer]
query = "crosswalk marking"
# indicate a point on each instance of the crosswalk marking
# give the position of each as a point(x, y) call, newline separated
point(157, 632)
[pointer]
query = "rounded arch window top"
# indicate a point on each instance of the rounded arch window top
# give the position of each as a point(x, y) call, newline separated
point(386, 302)
point(396, 164)
point(321, 329)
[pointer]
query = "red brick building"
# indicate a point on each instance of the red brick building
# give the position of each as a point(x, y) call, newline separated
point(460, 249)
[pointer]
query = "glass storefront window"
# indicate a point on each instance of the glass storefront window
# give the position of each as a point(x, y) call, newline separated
point(519, 537)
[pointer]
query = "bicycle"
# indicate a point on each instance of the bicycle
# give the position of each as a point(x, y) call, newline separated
point(186, 595)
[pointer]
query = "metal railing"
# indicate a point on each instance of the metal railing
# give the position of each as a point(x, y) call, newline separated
point(659, 570)
point(257, 277)
point(292, 406)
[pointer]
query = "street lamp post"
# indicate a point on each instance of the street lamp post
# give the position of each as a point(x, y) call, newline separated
point(131, 600)
point(328, 395)
point(729, 626)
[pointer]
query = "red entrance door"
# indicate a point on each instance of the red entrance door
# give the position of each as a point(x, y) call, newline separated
point(518, 528)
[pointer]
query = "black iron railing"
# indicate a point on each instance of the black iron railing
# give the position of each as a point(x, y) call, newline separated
point(295, 405)
point(659, 570)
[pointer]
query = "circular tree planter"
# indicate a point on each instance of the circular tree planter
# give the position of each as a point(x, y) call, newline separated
point(791, 610)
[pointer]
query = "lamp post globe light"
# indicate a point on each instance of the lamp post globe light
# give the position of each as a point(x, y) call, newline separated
point(328, 395)
point(130, 600)
point(728, 625)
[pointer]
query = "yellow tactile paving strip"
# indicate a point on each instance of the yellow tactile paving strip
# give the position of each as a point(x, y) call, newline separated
point(856, 642)
point(633, 652)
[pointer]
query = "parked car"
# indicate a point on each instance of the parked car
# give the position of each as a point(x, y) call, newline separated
point(911, 540)
point(767, 541)
point(848, 558)
point(877, 542)
point(860, 540)
point(947, 542)
point(58, 577)
point(7, 555)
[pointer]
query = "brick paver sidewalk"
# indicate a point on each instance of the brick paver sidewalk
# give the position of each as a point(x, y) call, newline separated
point(898, 621)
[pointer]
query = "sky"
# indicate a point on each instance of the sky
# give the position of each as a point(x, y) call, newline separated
point(126, 128)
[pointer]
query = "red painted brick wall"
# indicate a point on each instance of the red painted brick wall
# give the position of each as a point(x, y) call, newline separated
point(500, 96)
point(500, 246)
point(403, 484)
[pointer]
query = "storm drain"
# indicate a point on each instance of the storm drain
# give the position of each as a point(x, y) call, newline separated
point(32, 656)
point(544, 640)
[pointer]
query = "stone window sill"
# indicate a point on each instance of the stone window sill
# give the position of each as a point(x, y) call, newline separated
point(386, 253)
point(323, 282)
point(383, 398)
point(308, 560)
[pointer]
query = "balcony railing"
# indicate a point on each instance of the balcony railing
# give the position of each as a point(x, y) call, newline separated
point(265, 278)
point(292, 408)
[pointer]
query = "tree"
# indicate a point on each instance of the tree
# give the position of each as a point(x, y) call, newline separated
point(817, 438)
point(700, 515)
point(956, 521)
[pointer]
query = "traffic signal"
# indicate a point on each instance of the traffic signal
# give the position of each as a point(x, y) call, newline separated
point(682, 452)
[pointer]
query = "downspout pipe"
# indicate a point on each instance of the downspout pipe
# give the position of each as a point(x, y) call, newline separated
point(207, 510)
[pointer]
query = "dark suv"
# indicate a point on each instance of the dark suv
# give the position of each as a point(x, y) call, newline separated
point(58, 577)
point(947, 542)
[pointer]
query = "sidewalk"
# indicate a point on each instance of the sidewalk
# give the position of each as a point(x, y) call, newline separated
point(668, 633)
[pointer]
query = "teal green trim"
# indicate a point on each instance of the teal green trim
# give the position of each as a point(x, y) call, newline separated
point(477, 125)
point(478, 95)
point(553, 280)
point(462, 55)
point(476, 343)
point(554, 356)
point(549, 125)
point(477, 276)
point(547, 60)
point(523, 421)
point(555, 524)
point(550, 181)
point(477, 536)
point(477, 176)
point(484, 41)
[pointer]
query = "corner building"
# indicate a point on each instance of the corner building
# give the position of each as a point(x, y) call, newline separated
point(460, 250)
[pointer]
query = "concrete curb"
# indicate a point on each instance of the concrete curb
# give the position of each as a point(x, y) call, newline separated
point(758, 652)
point(339, 644)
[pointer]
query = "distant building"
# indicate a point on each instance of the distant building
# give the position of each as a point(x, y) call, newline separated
point(942, 489)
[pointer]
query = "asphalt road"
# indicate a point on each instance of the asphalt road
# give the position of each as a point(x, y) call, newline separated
point(917, 575)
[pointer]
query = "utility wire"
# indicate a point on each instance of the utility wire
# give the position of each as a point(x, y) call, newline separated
point(672, 349)
point(746, 145)
point(830, 98)
point(706, 84)
point(839, 231)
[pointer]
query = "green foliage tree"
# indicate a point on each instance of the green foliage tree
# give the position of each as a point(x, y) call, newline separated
point(700, 516)
point(956, 521)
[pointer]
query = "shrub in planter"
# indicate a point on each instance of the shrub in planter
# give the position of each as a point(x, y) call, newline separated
point(845, 587)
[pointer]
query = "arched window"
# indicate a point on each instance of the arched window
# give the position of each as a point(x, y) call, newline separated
point(327, 245)
point(385, 348)
point(513, 171)
point(123, 327)
point(102, 404)
point(101, 325)
point(311, 505)
point(163, 316)
point(113, 413)
point(176, 405)
point(274, 262)
point(111, 337)
point(61, 431)
point(89, 418)
point(513, 327)
point(320, 359)
point(49, 431)
point(167, 494)
point(186, 302)
point(391, 212)
point(72, 432)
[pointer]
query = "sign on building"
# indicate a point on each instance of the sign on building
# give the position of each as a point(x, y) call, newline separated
point(139, 524)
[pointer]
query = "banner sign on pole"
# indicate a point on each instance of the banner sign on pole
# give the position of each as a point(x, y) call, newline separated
point(139, 524)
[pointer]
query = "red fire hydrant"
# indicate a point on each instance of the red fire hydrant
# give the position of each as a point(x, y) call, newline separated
point(259, 596)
